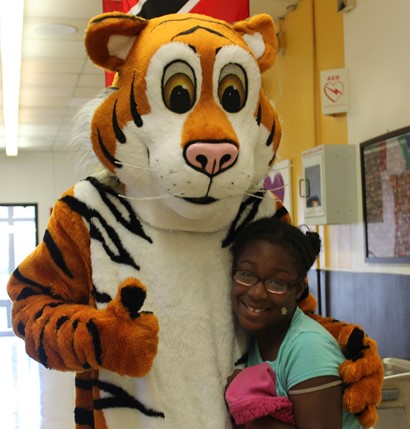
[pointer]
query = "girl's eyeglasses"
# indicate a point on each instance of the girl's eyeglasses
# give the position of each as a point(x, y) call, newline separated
point(276, 286)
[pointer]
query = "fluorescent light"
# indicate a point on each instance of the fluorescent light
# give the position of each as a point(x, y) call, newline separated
point(11, 23)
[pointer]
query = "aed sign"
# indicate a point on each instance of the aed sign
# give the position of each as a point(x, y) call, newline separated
point(334, 91)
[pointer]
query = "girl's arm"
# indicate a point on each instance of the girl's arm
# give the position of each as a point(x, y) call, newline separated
point(320, 409)
point(269, 423)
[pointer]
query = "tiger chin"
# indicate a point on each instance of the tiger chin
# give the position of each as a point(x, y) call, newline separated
point(130, 286)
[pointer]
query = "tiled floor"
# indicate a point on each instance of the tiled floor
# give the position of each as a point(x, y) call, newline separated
point(32, 397)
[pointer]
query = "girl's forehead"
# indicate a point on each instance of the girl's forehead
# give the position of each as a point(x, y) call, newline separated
point(258, 247)
point(260, 242)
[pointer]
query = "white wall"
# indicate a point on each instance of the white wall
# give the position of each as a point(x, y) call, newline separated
point(377, 56)
point(37, 177)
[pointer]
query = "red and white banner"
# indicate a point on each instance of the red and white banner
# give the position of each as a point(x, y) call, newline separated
point(228, 10)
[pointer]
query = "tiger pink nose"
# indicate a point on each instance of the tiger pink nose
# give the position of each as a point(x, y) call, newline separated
point(211, 158)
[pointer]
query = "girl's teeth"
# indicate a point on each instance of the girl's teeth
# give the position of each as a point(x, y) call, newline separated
point(256, 310)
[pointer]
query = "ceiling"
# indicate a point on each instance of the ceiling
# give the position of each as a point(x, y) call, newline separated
point(56, 75)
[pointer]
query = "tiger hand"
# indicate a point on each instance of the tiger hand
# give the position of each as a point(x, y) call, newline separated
point(363, 375)
point(362, 371)
point(123, 339)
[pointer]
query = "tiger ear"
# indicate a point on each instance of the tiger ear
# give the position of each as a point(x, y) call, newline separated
point(110, 36)
point(259, 34)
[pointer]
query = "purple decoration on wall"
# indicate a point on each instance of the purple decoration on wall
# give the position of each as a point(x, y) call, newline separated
point(277, 185)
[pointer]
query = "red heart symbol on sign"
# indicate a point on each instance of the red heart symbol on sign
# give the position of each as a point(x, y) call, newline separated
point(333, 90)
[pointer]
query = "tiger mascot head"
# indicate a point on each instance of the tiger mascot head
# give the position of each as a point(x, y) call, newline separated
point(186, 128)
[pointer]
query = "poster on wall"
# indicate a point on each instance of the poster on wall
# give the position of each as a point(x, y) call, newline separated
point(279, 182)
point(385, 165)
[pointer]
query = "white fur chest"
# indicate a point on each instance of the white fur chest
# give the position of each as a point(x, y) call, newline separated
point(187, 276)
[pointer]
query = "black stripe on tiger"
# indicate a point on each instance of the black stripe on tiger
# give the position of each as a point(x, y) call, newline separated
point(21, 329)
point(121, 399)
point(84, 417)
point(83, 384)
point(55, 253)
point(38, 288)
point(50, 305)
point(98, 224)
point(102, 298)
point(280, 213)
point(114, 204)
point(113, 161)
point(251, 204)
point(119, 135)
point(200, 27)
point(74, 325)
point(61, 321)
point(196, 18)
point(133, 106)
point(271, 134)
point(92, 329)
point(42, 355)
point(259, 116)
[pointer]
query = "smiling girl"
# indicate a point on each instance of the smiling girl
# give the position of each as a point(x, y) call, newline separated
point(298, 356)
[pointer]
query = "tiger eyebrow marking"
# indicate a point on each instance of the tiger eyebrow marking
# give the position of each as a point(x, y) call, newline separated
point(197, 27)
point(200, 27)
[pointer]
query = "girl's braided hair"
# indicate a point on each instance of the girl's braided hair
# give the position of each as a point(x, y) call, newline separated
point(304, 247)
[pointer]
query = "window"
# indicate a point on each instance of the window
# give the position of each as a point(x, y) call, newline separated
point(18, 238)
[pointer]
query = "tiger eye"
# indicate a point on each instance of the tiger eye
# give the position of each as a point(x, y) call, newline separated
point(179, 93)
point(179, 87)
point(232, 88)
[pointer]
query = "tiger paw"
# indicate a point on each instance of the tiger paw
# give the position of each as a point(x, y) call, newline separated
point(128, 337)
point(363, 375)
point(362, 397)
point(362, 360)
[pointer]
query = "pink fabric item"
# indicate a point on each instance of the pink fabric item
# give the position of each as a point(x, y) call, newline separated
point(252, 395)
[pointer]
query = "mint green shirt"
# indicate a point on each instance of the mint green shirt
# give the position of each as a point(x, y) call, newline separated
point(307, 351)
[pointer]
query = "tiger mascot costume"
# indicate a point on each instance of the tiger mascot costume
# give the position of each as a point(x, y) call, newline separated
point(130, 287)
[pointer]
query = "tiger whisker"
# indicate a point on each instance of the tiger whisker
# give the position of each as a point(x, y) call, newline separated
point(285, 186)
point(158, 197)
point(137, 167)
point(251, 194)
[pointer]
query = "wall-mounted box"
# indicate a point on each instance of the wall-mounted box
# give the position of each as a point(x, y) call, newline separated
point(330, 184)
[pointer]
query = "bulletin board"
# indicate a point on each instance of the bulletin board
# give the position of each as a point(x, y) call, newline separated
point(385, 171)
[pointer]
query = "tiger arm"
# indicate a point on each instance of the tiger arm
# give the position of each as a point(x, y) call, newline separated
point(53, 308)
point(362, 371)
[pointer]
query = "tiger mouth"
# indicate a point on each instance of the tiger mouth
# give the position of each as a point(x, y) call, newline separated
point(201, 200)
